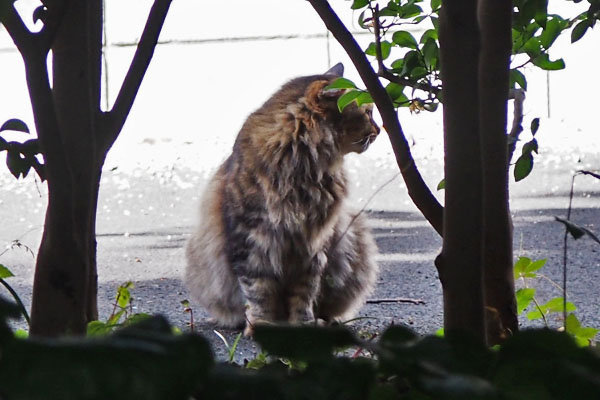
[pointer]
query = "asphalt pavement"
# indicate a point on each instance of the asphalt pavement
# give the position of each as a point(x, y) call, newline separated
point(146, 214)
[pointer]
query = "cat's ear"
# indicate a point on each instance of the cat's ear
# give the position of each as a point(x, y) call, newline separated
point(320, 99)
point(336, 70)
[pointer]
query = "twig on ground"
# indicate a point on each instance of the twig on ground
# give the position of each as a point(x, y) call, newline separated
point(396, 300)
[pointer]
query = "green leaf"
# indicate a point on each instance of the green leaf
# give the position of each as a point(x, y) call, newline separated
point(98, 328)
point(234, 347)
point(530, 147)
point(441, 185)
point(520, 266)
point(431, 54)
point(258, 362)
point(410, 10)
point(435, 4)
point(536, 314)
point(347, 98)
point(543, 61)
point(14, 125)
point(429, 34)
point(517, 76)
point(572, 323)
point(587, 332)
point(396, 92)
point(341, 83)
point(364, 98)
point(21, 334)
point(523, 166)
point(397, 65)
point(358, 4)
point(5, 272)
point(124, 295)
point(552, 30)
point(435, 23)
point(557, 305)
point(361, 20)
point(535, 125)
point(412, 59)
point(431, 107)
point(418, 73)
point(532, 47)
point(535, 265)
point(591, 235)
point(17, 165)
point(404, 39)
point(575, 230)
point(524, 298)
point(114, 318)
point(386, 48)
point(579, 30)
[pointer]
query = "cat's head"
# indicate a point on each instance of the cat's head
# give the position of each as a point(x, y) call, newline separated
point(354, 126)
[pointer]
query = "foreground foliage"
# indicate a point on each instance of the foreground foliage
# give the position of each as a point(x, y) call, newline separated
point(146, 360)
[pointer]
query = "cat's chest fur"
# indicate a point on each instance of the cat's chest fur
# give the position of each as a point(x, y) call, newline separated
point(290, 200)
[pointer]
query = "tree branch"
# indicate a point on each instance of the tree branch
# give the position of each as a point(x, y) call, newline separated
point(417, 189)
point(386, 74)
point(15, 27)
point(518, 95)
point(55, 11)
point(137, 70)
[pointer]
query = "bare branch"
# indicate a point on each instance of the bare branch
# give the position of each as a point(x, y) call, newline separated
point(518, 95)
point(396, 300)
point(15, 27)
point(386, 74)
point(377, 31)
point(53, 19)
point(417, 189)
point(137, 69)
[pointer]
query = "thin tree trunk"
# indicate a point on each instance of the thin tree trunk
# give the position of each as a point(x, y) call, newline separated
point(460, 263)
point(65, 271)
point(495, 24)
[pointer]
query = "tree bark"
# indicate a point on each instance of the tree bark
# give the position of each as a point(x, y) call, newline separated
point(495, 24)
point(460, 264)
point(66, 267)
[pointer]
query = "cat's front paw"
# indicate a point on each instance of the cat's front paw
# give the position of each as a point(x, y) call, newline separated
point(252, 323)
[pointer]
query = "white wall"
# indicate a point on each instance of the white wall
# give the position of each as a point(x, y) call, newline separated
point(196, 96)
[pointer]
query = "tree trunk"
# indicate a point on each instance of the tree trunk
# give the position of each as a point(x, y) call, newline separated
point(495, 24)
point(460, 263)
point(75, 137)
point(65, 274)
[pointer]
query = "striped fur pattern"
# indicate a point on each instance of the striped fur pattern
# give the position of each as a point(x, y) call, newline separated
point(275, 240)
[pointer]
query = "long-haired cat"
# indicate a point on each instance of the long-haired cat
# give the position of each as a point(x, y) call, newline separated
point(275, 240)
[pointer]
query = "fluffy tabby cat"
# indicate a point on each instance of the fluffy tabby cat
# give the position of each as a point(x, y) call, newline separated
point(276, 241)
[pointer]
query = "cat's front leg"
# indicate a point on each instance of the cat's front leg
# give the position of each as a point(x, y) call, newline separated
point(262, 305)
point(303, 293)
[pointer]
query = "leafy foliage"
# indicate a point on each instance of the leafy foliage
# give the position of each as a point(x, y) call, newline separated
point(145, 360)
point(121, 315)
point(524, 164)
point(525, 270)
point(21, 157)
point(585, 20)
